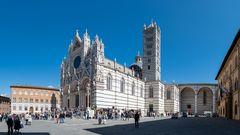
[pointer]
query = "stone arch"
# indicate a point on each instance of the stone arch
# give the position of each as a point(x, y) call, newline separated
point(65, 90)
point(133, 88)
point(65, 96)
point(84, 82)
point(187, 100)
point(74, 86)
point(85, 93)
point(204, 100)
point(109, 81)
point(122, 85)
point(150, 91)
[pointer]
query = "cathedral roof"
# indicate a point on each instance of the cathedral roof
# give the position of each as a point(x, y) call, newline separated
point(136, 64)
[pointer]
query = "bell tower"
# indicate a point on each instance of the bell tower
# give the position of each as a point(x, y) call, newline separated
point(151, 52)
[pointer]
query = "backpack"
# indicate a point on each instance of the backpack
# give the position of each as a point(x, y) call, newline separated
point(9, 121)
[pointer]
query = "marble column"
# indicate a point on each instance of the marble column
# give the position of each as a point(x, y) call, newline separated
point(195, 103)
point(79, 95)
point(88, 95)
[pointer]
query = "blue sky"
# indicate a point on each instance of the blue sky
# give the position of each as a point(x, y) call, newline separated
point(34, 36)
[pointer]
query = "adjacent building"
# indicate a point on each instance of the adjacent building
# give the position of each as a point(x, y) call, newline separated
point(228, 81)
point(198, 98)
point(171, 99)
point(5, 104)
point(33, 99)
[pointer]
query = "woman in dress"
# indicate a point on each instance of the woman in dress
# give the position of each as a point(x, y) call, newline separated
point(17, 124)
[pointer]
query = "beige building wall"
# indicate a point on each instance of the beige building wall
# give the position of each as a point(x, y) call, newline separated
point(5, 104)
point(236, 100)
point(228, 80)
point(34, 99)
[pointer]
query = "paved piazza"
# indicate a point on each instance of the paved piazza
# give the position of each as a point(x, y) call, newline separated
point(148, 126)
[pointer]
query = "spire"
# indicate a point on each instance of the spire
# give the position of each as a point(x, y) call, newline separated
point(138, 54)
point(152, 22)
point(77, 35)
point(70, 45)
point(101, 43)
point(138, 58)
point(86, 33)
point(96, 39)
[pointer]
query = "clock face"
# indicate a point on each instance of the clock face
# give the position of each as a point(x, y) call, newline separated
point(77, 62)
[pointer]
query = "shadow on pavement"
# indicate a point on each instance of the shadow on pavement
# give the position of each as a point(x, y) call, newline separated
point(181, 126)
point(26, 133)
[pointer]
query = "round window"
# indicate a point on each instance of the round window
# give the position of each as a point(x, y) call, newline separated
point(77, 62)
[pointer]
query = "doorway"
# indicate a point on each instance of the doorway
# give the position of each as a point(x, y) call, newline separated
point(150, 107)
point(31, 110)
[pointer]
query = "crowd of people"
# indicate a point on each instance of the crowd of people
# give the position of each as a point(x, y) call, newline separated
point(14, 122)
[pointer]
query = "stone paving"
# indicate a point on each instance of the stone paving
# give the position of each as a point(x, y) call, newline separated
point(148, 126)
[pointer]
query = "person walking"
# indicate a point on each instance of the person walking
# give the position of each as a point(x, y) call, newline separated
point(10, 124)
point(61, 117)
point(99, 118)
point(17, 124)
point(57, 118)
point(136, 117)
point(87, 115)
point(26, 118)
point(127, 115)
point(1, 116)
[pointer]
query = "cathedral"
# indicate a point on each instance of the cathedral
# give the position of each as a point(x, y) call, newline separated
point(91, 81)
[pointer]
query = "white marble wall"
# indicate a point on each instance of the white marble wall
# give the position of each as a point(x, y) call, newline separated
point(106, 98)
point(158, 96)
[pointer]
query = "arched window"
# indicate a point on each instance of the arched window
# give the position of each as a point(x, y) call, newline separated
point(109, 82)
point(168, 94)
point(236, 64)
point(141, 93)
point(236, 84)
point(204, 97)
point(150, 92)
point(133, 88)
point(25, 93)
point(236, 108)
point(122, 85)
point(161, 92)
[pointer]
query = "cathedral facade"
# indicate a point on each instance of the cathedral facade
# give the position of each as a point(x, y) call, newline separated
point(91, 81)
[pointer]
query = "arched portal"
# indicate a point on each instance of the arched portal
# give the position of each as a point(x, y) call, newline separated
point(85, 93)
point(204, 100)
point(73, 95)
point(66, 98)
point(187, 100)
